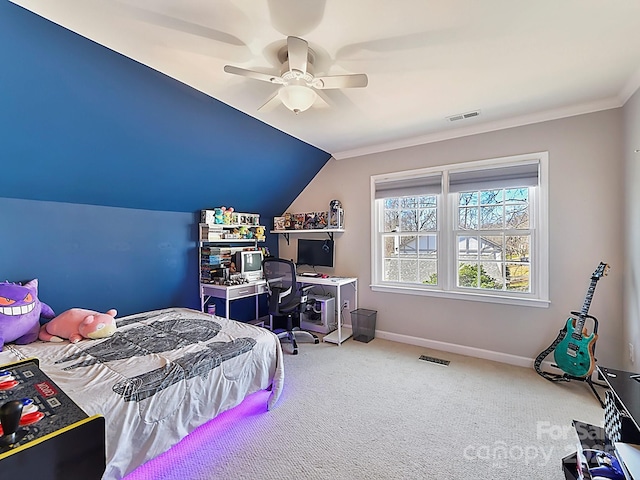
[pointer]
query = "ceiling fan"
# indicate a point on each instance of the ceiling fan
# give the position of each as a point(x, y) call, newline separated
point(298, 84)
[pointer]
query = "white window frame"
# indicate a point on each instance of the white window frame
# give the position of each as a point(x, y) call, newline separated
point(447, 248)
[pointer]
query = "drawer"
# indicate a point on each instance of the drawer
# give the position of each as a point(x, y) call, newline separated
point(246, 290)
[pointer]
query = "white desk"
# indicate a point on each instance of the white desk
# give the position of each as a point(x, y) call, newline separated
point(342, 289)
point(228, 293)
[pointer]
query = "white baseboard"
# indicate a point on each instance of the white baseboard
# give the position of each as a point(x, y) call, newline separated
point(462, 350)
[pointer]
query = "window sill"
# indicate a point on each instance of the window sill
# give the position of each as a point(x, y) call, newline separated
point(470, 296)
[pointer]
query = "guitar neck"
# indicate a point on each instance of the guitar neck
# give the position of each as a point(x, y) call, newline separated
point(585, 307)
point(588, 298)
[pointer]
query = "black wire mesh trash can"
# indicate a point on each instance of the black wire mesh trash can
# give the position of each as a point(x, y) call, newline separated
point(363, 322)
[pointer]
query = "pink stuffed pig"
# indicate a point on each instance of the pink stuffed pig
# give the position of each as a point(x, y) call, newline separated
point(78, 323)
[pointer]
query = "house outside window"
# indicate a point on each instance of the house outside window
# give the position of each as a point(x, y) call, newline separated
point(475, 230)
point(493, 239)
point(410, 239)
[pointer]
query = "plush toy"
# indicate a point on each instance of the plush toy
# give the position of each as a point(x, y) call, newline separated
point(20, 312)
point(227, 213)
point(260, 233)
point(243, 231)
point(218, 215)
point(78, 323)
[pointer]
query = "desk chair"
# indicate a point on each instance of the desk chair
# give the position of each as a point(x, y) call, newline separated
point(286, 299)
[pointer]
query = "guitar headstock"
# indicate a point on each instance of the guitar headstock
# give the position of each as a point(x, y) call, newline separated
point(601, 271)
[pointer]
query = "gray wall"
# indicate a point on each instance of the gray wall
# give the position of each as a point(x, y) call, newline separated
point(586, 198)
point(631, 331)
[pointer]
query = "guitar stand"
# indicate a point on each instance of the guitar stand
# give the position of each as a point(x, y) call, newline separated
point(566, 378)
point(555, 377)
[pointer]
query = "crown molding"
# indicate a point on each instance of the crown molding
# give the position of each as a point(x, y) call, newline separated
point(631, 87)
point(555, 114)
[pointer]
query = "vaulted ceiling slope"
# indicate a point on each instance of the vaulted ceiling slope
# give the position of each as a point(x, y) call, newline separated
point(515, 62)
point(82, 124)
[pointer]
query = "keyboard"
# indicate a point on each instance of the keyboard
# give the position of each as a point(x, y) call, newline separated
point(309, 274)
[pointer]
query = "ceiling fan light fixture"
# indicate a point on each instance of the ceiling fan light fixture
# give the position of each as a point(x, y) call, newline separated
point(297, 98)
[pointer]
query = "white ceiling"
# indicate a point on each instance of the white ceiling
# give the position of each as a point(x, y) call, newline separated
point(517, 61)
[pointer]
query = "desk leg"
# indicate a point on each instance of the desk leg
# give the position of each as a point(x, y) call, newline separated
point(227, 303)
point(355, 296)
point(340, 335)
point(339, 313)
point(257, 306)
point(203, 301)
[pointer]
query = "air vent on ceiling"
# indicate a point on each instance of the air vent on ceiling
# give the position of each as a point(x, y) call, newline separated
point(463, 116)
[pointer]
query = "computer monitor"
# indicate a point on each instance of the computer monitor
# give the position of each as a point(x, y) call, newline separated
point(249, 264)
point(315, 253)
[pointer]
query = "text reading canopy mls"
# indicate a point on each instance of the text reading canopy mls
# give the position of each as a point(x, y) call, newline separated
point(315, 253)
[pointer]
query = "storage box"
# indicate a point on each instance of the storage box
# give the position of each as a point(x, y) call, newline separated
point(363, 322)
point(278, 223)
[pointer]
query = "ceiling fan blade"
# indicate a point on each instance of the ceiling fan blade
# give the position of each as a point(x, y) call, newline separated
point(341, 81)
point(174, 23)
point(298, 52)
point(252, 74)
point(322, 100)
point(270, 104)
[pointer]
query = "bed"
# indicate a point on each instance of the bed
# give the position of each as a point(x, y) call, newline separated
point(160, 376)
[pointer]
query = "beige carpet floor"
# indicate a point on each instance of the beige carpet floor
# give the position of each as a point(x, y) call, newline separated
point(375, 411)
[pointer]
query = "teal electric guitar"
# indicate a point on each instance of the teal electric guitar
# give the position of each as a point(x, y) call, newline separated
point(574, 354)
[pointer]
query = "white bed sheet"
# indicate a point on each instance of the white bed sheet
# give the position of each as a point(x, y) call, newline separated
point(190, 384)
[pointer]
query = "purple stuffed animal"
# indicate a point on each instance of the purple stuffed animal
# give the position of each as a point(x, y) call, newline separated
point(20, 312)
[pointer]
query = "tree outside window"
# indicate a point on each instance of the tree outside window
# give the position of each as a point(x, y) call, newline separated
point(494, 240)
point(410, 239)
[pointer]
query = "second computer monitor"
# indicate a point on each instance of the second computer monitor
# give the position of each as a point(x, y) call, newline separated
point(315, 253)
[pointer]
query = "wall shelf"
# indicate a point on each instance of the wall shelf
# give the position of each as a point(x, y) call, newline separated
point(224, 229)
point(328, 231)
point(226, 241)
point(215, 256)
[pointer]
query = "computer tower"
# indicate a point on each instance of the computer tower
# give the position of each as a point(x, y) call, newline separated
point(319, 314)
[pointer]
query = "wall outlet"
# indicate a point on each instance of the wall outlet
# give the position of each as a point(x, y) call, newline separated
point(345, 304)
point(632, 356)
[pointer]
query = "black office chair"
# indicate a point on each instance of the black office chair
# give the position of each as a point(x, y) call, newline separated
point(286, 299)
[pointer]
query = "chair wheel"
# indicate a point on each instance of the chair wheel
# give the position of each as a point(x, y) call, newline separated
point(295, 352)
point(316, 342)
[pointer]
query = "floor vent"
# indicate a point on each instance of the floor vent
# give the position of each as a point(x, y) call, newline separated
point(463, 116)
point(437, 361)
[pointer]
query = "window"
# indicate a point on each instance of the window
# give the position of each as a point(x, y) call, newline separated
point(410, 239)
point(476, 230)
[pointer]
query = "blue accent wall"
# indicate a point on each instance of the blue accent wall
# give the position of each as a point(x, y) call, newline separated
point(105, 164)
point(100, 257)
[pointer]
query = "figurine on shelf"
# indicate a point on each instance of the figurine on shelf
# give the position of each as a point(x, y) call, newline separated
point(310, 221)
point(227, 212)
point(288, 221)
point(298, 221)
point(321, 219)
point(278, 223)
point(336, 214)
point(218, 215)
